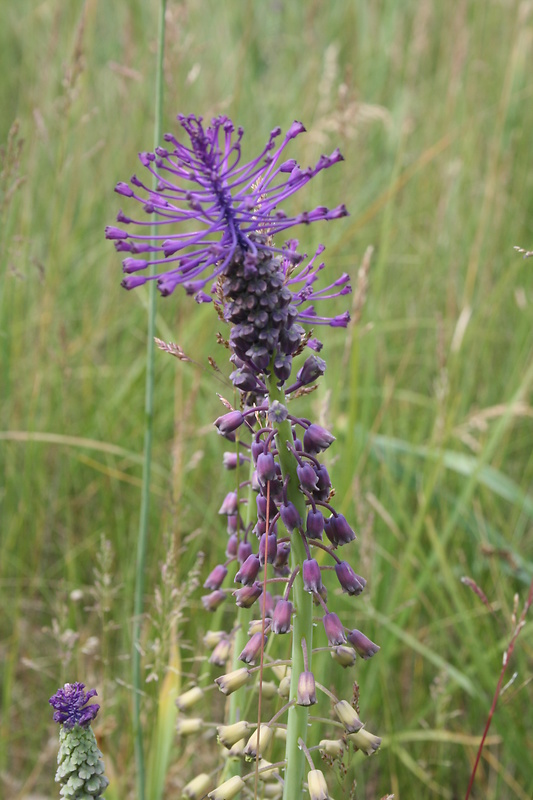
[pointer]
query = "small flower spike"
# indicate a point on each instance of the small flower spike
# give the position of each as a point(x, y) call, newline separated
point(80, 768)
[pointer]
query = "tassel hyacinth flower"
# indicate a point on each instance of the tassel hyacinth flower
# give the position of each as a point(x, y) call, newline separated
point(80, 768)
point(219, 222)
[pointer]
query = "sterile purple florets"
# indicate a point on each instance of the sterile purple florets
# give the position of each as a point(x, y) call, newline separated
point(71, 707)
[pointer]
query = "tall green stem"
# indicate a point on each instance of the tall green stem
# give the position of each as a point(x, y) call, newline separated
point(297, 720)
point(147, 454)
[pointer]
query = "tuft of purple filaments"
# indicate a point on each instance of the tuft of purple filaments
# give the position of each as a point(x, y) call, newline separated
point(71, 707)
point(234, 209)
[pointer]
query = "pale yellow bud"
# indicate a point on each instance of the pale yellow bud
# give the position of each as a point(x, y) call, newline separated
point(281, 671)
point(196, 788)
point(266, 770)
point(237, 751)
point(348, 716)
point(365, 741)
point(228, 789)
point(284, 688)
point(317, 786)
point(189, 698)
point(232, 681)
point(268, 688)
point(331, 747)
point(212, 638)
point(186, 727)
point(258, 741)
point(229, 734)
point(343, 655)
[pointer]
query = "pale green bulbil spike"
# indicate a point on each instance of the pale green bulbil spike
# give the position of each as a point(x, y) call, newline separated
point(80, 769)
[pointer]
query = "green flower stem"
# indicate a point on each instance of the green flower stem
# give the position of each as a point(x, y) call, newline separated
point(142, 540)
point(297, 720)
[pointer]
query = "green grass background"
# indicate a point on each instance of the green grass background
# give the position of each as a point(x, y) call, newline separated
point(429, 397)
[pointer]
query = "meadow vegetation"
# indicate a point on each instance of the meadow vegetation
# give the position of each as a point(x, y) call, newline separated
point(429, 394)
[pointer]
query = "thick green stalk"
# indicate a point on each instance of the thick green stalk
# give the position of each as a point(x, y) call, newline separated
point(302, 622)
point(147, 455)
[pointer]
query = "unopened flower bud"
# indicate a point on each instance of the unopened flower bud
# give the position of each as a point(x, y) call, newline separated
point(306, 689)
point(364, 647)
point(281, 671)
point(284, 688)
point(307, 477)
point(232, 681)
point(248, 571)
point(365, 741)
point(230, 460)
point(230, 505)
point(266, 467)
point(232, 545)
point(189, 698)
point(228, 735)
point(221, 653)
point(315, 524)
point(228, 789)
point(290, 516)
point(316, 439)
point(258, 741)
point(316, 785)
point(232, 525)
point(212, 601)
point(196, 788)
point(228, 423)
point(246, 597)
point(216, 577)
point(331, 747)
point(313, 367)
point(267, 604)
point(350, 582)
point(334, 629)
point(344, 656)
point(212, 638)
point(338, 531)
point(348, 716)
point(253, 648)
point(282, 555)
point(244, 551)
point(270, 546)
point(237, 750)
point(281, 619)
point(311, 574)
point(266, 769)
point(185, 726)
point(268, 689)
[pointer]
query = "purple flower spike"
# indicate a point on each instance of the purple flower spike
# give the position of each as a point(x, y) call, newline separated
point(71, 707)
point(315, 524)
